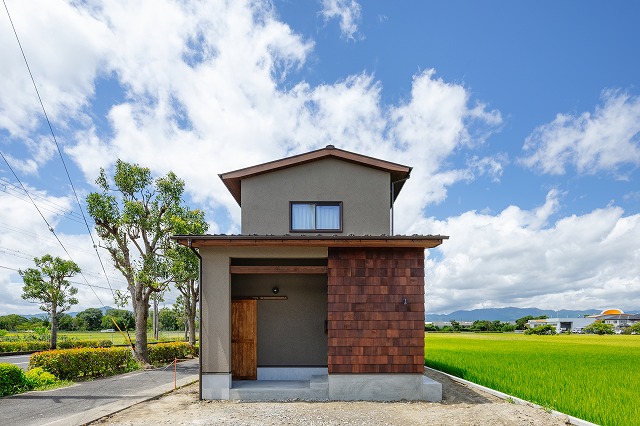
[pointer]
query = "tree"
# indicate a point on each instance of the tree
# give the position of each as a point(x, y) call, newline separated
point(634, 329)
point(92, 317)
point(11, 322)
point(521, 323)
point(135, 216)
point(185, 266)
point(599, 327)
point(543, 329)
point(65, 322)
point(122, 317)
point(168, 320)
point(46, 284)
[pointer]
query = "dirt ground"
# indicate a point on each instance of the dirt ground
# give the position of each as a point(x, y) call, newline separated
point(461, 405)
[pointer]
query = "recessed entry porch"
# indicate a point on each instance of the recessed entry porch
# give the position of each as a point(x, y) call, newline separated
point(279, 322)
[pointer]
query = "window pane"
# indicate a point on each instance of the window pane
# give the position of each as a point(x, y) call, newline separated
point(302, 216)
point(328, 217)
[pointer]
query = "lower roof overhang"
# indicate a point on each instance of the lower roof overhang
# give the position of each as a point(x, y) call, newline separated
point(416, 241)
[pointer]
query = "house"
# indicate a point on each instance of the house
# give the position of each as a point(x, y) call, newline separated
point(315, 299)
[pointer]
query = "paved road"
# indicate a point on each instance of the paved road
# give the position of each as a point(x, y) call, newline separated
point(88, 401)
point(21, 361)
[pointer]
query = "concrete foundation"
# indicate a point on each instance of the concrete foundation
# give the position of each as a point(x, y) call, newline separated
point(383, 387)
point(216, 386)
point(334, 387)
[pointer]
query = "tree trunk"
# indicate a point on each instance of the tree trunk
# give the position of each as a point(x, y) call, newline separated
point(141, 314)
point(54, 328)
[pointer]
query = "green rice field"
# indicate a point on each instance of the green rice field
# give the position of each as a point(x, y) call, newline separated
point(116, 337)
point(592, 377)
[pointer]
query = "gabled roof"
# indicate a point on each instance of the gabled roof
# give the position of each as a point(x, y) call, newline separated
point(232, 180)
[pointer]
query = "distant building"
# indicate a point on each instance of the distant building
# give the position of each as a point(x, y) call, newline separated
point(615, 317)
point(562, 325)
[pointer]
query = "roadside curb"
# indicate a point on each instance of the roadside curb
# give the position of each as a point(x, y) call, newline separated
point(573, 420)
point(107, 410)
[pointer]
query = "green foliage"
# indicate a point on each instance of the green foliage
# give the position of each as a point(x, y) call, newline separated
point(521, 323)
point(65, 322)
point(46, 284)
point(163, 353)
point(586, 376)
point(122, 317)
point(12, 379)
point(84, 363)
point(431, 327)
point(24, 346)
point(92, 319)
point(599, 327)
point(541, 330)
point(38, 378)
point(168, 320)
point(71, 344)
point(135, 215)
point(11, 322)
point(634, 329)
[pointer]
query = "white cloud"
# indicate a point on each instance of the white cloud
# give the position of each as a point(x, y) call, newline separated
point(347, 12)
point(516, 258)
point(603, 140)
point(22, 240)
point(64, 45)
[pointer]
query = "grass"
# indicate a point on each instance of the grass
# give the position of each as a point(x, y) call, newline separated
point(115, 337)
point(595, 378)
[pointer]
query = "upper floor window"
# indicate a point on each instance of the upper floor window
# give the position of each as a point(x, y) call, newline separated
point(316, 216)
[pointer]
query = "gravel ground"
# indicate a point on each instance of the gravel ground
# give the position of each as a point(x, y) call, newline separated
point(460, 406)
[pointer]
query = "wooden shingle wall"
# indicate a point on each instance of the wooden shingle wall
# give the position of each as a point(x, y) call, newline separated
point(370, 329)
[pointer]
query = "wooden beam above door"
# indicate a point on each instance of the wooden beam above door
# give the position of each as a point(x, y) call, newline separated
point(278, 270)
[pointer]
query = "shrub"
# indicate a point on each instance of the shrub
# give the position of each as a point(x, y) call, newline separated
point(543, 329)
point(72, 344)
point(83, 363)
point(12, 379)
point(37, 378)
point(24, 346)
point(167, 352)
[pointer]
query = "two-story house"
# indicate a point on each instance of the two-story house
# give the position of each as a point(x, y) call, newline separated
point(315, 291)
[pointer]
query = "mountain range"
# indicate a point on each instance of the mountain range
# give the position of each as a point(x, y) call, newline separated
point(508, 314)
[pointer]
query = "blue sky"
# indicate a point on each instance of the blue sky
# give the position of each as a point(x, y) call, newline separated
point(521, 121)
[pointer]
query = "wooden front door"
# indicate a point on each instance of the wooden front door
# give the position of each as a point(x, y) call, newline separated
point(244, 339)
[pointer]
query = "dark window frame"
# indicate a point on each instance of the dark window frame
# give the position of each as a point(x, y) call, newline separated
point(315, 203)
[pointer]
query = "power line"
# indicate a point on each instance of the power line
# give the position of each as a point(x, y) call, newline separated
point(44, 111)
point(54, 207)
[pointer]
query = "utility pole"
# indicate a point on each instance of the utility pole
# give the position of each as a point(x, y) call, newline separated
point(155, 316)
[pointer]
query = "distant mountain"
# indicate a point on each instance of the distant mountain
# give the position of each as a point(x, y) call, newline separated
point(43, 315)
point(507, 314)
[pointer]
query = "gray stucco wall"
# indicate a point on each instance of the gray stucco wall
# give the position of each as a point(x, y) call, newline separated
point(290, 332)
point(364, 191)
point(215, 334)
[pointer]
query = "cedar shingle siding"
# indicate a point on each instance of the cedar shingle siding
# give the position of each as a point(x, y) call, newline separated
point(370, 329)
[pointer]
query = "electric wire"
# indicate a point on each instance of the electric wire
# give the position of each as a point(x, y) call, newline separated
point(49, 225)
point(55, 140)
point(65, 168)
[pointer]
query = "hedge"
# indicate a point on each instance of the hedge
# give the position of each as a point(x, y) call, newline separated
point(12, 379)
point(161, 353)
point(73, 344)
point(29, 346)
point(23, 346)
point(84, 363)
